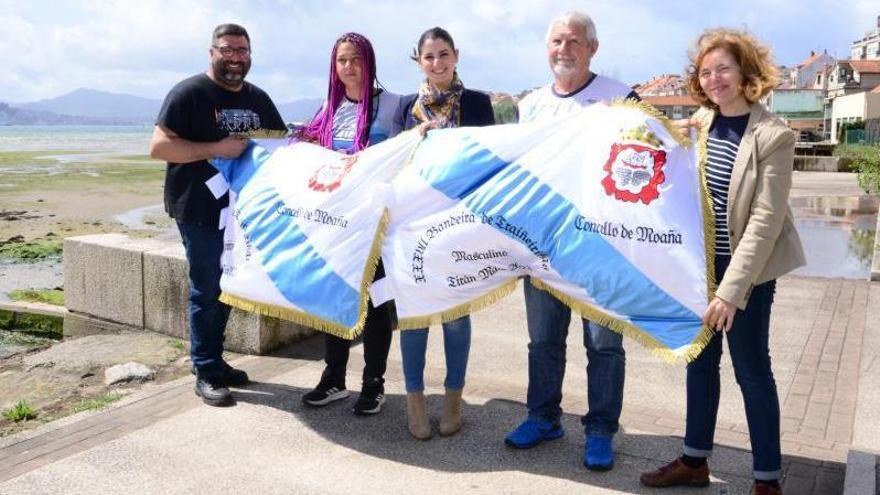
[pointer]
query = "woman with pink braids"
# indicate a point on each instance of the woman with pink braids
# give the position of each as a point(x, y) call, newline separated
point(358, 113)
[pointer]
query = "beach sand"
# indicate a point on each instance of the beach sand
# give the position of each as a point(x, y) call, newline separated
point(52, 201)
point(85, 199)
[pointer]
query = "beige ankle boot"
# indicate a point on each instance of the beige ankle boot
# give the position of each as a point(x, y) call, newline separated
point(417, 416)
point(450, 422)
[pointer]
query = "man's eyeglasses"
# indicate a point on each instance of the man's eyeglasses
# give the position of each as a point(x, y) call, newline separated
point(227, 51)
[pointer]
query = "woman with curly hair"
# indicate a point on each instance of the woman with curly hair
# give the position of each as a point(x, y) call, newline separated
point(358, 113)
point(748, 175)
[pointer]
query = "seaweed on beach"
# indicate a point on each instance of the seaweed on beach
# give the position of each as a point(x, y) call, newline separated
point(44, 326)
point(54, 296)
point(37, 249)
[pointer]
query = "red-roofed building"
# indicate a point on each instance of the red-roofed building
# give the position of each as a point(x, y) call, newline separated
point(803, 75)
point(665, 85)
point(851, 95)
point(853, 76)
point(674, 107)
point(821, 80)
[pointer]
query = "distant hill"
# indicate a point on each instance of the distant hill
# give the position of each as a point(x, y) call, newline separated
point(100, 105)
point(11, 115)
point(85, 106)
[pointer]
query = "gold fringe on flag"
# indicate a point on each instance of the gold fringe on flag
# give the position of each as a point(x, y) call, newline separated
point(457, 312)
point(320, 324)
point(585, 310)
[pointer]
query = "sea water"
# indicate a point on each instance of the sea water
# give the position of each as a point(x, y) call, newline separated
point(133, 139)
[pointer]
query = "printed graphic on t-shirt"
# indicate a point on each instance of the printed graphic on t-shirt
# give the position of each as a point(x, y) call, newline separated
point(345, 121)
point(235, 120)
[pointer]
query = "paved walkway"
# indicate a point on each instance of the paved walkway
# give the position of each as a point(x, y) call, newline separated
point(825, 342)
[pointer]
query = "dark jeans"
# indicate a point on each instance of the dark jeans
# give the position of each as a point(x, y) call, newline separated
point(207, 315)
point(748, 341)
point(548, 319)
point(377, 341)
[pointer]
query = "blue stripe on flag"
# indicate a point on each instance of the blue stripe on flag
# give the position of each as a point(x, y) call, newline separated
point(294, 265)
point(238, 171)
point(459, 166)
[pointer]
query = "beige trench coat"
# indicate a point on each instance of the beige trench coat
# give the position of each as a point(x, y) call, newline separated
point(763, 239)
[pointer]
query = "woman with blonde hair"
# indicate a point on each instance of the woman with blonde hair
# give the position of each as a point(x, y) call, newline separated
point(748, 173)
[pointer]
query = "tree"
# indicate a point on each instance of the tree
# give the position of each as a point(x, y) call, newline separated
point(866, 162)
point(505, 111)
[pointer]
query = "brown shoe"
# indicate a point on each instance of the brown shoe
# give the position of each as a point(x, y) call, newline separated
point(417, 416)
point(451, 421)
point(762, 489)
point(677, 473)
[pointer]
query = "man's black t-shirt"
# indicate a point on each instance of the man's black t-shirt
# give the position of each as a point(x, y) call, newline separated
point(199, 110)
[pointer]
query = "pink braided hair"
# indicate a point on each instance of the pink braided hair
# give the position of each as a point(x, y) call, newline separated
point(320, 128)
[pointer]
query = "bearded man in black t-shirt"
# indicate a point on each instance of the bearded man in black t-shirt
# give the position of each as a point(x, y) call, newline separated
point(205, 116)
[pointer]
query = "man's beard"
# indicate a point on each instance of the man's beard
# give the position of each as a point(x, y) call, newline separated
point(564, 69)
point(230, 77)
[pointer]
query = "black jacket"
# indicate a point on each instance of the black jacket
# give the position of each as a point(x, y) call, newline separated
point(476, 110)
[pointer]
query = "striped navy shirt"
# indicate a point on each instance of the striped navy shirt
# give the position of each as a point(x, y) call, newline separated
point(724, 138)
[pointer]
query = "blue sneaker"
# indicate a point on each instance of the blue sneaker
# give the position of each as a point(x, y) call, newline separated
point(599, 454)
point(532, 432)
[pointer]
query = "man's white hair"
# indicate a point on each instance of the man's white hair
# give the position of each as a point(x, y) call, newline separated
point(578, 19)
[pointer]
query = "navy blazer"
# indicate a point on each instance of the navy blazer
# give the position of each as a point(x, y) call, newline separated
point(476, 110)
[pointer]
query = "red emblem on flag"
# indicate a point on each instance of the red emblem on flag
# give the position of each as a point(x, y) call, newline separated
point(634, 172)
point(328, 177)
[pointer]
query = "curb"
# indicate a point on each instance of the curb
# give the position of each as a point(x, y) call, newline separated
point(18, 307)
point(861, 473)
point(875, 265)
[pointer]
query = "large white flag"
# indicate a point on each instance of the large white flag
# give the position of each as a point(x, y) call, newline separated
point(604, 208)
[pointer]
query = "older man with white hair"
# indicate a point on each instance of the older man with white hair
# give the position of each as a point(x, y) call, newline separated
point(571, 45)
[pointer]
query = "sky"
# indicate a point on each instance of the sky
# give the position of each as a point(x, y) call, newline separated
point(145, 47)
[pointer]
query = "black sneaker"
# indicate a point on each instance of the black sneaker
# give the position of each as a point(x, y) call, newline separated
point(213, 392)
point(371, 398)
point(231, 376)
point(327, 391)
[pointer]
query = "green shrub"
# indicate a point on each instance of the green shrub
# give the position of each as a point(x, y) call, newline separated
point(20, 412)
point(505, 111)
point(98, 402)
point(865, 160)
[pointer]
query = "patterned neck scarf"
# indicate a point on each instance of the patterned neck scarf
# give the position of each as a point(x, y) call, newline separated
point(442, 106)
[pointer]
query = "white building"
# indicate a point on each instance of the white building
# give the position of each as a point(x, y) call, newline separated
point(804, 75)
point(854, 107)
point(867, 48)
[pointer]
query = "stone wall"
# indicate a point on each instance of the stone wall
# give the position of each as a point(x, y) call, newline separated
point(143, 283)
point(817, 163)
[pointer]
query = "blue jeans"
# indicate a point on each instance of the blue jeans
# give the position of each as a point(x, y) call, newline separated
point(748, 341)
point(207, 315)
point(548, 320)
point(456, 346)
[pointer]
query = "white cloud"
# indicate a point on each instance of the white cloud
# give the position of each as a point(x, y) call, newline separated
point(145, 47)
